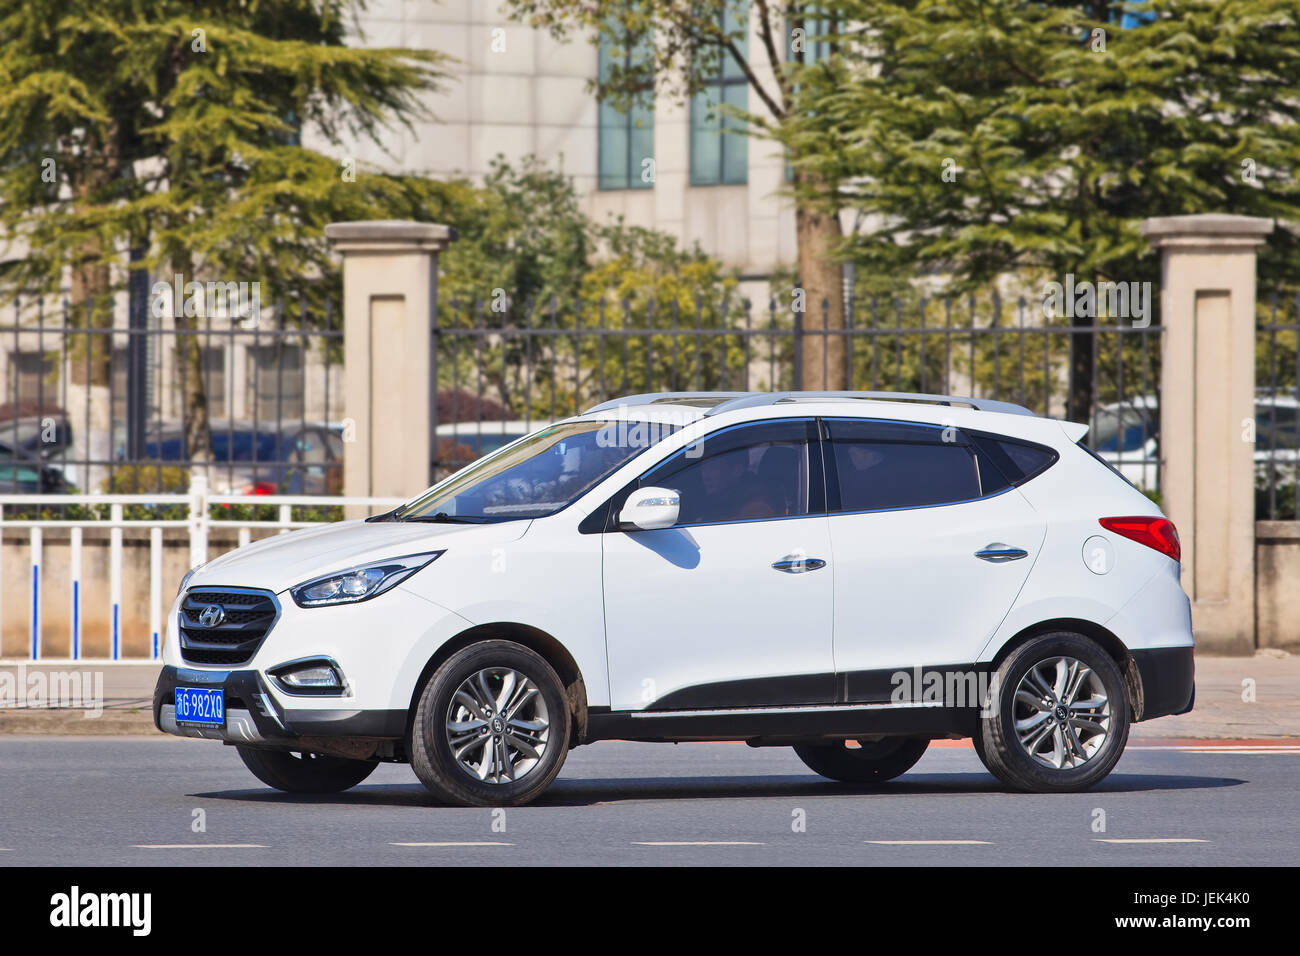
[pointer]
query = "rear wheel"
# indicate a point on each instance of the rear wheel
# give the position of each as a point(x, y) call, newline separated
point(304, 772)
point(1062, 716)
point(872, 761)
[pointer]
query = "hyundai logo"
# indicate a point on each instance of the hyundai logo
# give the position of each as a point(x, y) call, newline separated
point(212, 616)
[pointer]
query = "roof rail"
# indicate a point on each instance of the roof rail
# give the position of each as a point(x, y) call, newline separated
point(668, 398)
point(758, 399)
point(718, 402)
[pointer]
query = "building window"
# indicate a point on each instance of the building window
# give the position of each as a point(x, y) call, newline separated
point(626, 140)
point(275, 382)
point(214, 380)
point(36, 374)
point(719, 147)
point(816, 24)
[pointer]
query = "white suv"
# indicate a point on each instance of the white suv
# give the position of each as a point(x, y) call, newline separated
point(842, 573)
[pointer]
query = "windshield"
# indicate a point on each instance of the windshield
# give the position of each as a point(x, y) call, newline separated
point(537, 476)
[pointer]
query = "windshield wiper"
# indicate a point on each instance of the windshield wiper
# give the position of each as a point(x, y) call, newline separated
point(443, 518)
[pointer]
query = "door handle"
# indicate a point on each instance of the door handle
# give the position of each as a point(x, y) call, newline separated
point(793, 564)
point(999, 552)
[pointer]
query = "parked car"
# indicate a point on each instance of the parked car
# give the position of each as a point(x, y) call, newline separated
point(44, 436)
point(840, 574)
point(1127, 435)
point(300, 459)
point(24, 474)
point(459, 443)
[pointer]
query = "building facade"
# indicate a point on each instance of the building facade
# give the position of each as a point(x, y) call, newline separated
point(516, 91)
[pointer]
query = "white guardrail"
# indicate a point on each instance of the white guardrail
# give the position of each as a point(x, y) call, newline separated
point(197, 522)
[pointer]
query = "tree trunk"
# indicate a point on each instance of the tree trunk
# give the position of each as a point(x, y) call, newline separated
point(1082, 344)
point(818, 233)
point(189, 369)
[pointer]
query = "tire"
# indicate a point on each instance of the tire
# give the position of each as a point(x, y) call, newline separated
point(305, 773)
point(493, 762)
point(1067, 748)
point(871, 762)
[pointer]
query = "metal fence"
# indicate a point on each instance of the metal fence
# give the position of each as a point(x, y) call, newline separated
point(1274, 429)
point(500, 373)
point(191, 515)
point(102, 400)
point(270, 385)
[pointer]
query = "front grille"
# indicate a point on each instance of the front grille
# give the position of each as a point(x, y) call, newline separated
point(247, 614)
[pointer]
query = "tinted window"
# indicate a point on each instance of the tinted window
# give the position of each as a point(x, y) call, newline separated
point(746, 473)
point(1017, 461)
point(883, 465)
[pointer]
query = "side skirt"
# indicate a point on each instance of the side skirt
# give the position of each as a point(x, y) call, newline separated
point(780, 725)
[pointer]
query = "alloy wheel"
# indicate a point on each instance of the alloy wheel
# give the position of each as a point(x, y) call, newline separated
point(1062, 713)
point(497, 725)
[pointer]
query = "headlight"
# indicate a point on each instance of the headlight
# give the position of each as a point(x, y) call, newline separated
point(360, 583)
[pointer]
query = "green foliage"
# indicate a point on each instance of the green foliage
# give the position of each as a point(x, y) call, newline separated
point(528, 257)
point(523, 233)
point(174, 126)
point(147, 479)
point(1060, 149)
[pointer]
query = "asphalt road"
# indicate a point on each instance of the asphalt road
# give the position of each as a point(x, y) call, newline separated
point(104, 802)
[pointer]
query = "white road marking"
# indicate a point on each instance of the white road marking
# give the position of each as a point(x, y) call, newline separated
point(929, 842)
point(1290, 749)
point(199, 846)
point(452, 844)
point(1151, 840)
point(695, 843)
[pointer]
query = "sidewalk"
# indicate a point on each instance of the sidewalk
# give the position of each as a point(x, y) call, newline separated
point(1220, 714)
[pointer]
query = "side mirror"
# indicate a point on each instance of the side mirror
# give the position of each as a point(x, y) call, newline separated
point(649, 509)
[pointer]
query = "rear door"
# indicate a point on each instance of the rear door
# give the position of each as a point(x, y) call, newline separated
point(931, 543)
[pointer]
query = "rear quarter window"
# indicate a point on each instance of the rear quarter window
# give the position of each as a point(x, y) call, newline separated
point(1018, 461)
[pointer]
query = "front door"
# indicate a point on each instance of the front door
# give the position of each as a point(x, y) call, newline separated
point(732, 607)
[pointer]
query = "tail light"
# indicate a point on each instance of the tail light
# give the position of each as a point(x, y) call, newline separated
point(259, 488)
point(1158, 533)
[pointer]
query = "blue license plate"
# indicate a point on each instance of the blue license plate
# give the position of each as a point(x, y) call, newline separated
point(200, 705)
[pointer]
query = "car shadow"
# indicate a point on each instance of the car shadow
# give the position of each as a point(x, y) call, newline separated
point(603, 792)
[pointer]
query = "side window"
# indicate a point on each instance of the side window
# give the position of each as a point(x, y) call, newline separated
point(1017, 461)
point(745, 473)
point(884, 465)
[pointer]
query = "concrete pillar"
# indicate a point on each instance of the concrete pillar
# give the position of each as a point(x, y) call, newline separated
point(1207, 402)
point(390, 291)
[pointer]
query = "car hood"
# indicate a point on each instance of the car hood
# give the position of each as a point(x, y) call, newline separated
point(284, 560)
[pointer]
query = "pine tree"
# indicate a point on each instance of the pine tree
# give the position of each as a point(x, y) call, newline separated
point(987, 137)
point(176, 128)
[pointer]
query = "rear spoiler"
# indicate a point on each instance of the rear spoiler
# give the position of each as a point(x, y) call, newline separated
point(1074, 431)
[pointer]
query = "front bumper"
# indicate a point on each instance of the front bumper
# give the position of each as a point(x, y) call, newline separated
point(254, 716)
point(1168, 677)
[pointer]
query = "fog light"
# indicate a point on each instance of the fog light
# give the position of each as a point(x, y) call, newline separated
point(310, 677)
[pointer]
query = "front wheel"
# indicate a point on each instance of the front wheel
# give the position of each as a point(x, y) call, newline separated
point(872, 761)
point(491, 728)
point(1061, 716)
point(305, 772)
